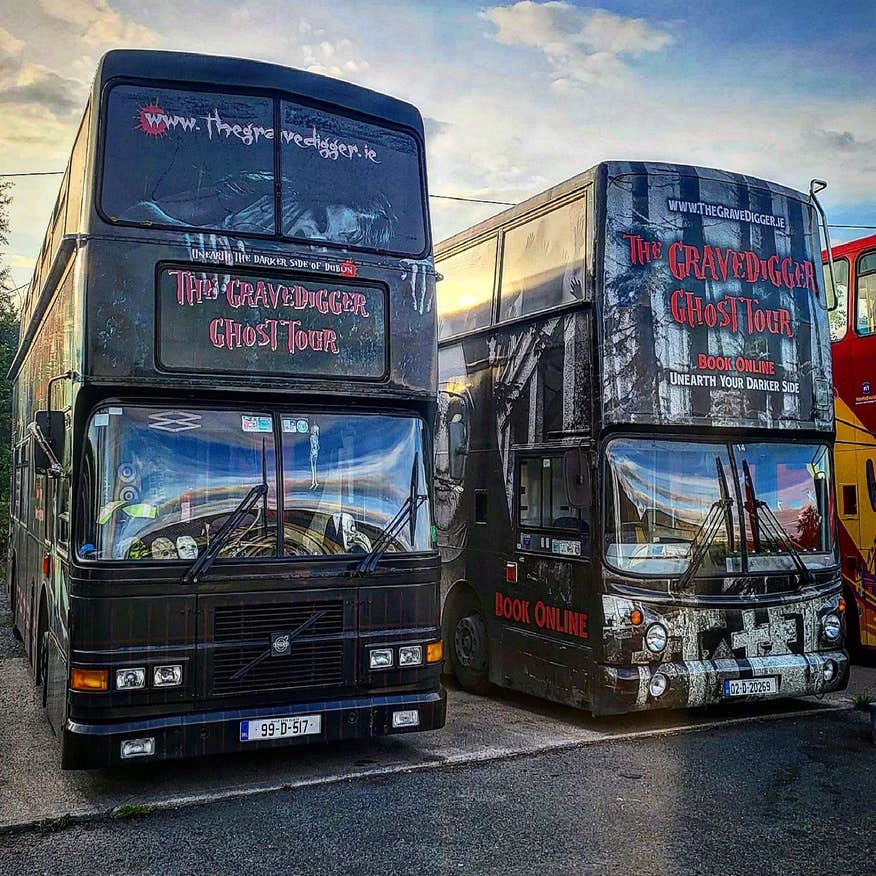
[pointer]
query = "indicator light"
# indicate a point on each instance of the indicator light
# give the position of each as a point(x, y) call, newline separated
point(89, 679)
point(434, 652)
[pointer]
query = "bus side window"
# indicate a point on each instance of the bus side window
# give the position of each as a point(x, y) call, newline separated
point(865, 298)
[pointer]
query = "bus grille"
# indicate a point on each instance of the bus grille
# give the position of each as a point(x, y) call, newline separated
point(310, 664)
point(232, 623)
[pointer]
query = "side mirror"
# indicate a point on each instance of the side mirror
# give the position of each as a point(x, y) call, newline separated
point(49, 434)
point(576, 471)
point(458, 440)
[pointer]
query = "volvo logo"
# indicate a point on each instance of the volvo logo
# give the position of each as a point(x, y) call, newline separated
point(279, 644)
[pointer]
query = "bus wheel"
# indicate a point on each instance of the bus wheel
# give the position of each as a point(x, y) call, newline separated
point(470, 650)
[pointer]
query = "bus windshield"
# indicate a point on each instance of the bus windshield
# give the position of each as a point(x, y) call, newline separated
point(159, 483)
point(666, 499)
point(206, 160)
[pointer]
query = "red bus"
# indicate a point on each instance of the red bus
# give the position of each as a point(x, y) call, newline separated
point(853, 337)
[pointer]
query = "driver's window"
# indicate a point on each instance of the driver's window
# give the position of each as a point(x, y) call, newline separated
point(543, 501)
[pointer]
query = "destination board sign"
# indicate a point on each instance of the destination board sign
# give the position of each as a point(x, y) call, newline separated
point(712, 311)
point(247, 323)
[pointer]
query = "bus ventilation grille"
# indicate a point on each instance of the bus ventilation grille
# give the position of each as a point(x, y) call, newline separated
point(310, 664)
point(235, 623)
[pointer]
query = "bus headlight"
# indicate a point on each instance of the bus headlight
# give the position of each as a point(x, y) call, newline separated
point(130, 679)
point(656, 638)
point(167, 676)
point(410, 655)
point(658, 685)
point(831, 627)
point(380, 658)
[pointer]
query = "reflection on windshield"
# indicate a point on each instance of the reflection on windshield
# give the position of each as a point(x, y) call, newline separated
point(660, 493)
point(159, 484)
point(658, 498)
point(345, 477)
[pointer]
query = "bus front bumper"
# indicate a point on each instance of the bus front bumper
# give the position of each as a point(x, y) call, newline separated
point(90, 746)
point(621, 689)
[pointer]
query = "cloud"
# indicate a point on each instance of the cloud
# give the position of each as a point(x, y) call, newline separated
point(35, 84)
point(10, 45)
point(98, 25)
point(581, 46)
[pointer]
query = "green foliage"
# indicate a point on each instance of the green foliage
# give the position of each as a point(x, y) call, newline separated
point(862, 701)
point(8, 345)
point(132, 810)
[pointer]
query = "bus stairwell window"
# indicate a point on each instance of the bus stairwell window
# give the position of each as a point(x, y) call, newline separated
point(850, 500)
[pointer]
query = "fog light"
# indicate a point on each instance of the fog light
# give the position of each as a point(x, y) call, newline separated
point(410, 655)
point(138, 747)
point(130, 679)
point(380, 658)
point(407, 718)
point(167, 676)
point(831, 627)
point(658, 685)
point(656, 638)
point(830, 670)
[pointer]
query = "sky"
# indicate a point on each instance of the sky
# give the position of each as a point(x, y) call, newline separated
point(516, 96)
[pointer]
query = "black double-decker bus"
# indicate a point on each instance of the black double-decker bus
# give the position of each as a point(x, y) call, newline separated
point(634, 493)
point(222, 528)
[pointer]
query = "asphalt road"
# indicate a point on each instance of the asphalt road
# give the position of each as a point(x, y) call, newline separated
point(789, 797)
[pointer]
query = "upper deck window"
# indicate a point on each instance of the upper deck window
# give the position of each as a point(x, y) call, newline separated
point(465, 295)
point(865, 304)
point(349, 183)
point(543, 262)
point(839, 316)
point(189, 158)
point(205, 160)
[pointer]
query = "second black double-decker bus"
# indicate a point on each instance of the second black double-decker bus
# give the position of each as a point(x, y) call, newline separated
point(224, 391)
point(633, 471)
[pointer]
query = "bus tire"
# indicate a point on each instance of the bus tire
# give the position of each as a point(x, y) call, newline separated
point(469, 644)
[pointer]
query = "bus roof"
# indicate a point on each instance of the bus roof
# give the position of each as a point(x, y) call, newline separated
point(612, 169)
point(851, 246)
point(215, 70)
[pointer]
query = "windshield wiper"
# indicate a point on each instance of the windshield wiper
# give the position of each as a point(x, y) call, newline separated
point(720, 513)
point(407, 512)
point(771, 526)
point(202, 564)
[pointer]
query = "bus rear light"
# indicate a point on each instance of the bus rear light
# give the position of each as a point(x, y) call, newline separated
point(89, 679)
point(47, 565)
point(138, 747)
point(511, 573)
point(434, 652)
point(841, 605)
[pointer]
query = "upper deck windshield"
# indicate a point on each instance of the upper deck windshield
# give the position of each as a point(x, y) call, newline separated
point(159, 483)
point(206, 160)
point(664, 499)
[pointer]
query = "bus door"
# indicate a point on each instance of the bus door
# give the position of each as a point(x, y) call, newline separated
point(543, 606)
point(866, 538)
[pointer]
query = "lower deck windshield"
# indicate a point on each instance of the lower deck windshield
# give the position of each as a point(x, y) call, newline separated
point(672, 507)
point(159, 483)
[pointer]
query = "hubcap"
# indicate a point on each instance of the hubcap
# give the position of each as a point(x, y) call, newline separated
point(470, 643)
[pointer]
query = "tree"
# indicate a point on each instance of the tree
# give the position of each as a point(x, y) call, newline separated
point(8, 346)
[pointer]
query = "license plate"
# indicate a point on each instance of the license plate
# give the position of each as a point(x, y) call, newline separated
point(257, 729)
point(751, 687)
